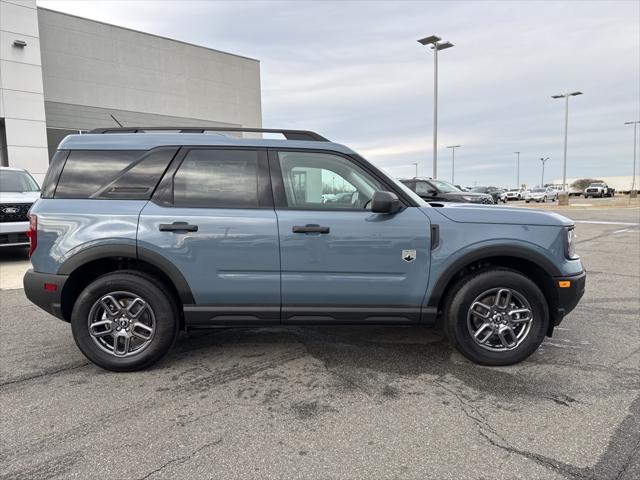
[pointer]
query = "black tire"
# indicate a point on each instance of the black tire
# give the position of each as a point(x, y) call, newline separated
point(457, 306)
point(152, 291)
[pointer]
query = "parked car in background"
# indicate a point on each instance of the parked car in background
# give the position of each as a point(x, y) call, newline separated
point(512, 194)
point(540, 195)
point(495, 192)
point(599, 190)
point(172, 231)
point(18, 191)
point(441, 191)
point(464, 189)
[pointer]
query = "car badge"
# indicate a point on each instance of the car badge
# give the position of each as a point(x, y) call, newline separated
point(408, 255)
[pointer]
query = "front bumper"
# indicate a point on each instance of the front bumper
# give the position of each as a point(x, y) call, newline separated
point(45, 290)
point(568, 295)
point(13, 234)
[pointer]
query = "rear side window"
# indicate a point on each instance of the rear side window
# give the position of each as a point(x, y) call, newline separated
point(113, 174)
point(217, 179)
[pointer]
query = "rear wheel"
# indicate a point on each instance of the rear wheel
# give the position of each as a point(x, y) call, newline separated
point(124, 321)
point(496, 317)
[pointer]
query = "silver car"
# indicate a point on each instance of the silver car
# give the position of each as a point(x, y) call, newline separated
point(540, 195)
point(18, 191)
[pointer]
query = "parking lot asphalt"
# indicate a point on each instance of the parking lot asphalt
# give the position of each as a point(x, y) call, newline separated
point(339, 402)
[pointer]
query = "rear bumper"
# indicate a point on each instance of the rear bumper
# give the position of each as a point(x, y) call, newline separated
point(45, 290)
point(568, 297)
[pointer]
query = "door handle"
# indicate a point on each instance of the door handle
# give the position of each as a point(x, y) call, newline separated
point(178, 227)
point(310, 229)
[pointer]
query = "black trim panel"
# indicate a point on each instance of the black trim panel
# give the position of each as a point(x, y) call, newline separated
point(130, 251)
point(296, 315)
point(487, 252)
point(568, 298)
point(204, 316)
point(50, 302)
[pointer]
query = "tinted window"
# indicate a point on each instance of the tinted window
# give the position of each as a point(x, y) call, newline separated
point(423, 188)
point(321, 180)
point(115, 174)
point(217, 178)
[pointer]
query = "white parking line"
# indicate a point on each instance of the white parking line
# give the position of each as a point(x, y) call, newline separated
point(601, 222)
point(623, 230)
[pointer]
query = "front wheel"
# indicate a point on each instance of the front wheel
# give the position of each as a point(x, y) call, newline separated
point(124, 321)
point(496, 317)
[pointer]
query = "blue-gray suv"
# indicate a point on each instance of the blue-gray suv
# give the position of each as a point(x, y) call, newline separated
point(140, 233)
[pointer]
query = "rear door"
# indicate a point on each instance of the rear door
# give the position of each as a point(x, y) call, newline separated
point(341, 263)
point(212, 217)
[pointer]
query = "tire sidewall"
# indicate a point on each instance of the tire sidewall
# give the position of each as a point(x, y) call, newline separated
point(164, 311)
point(475, 286)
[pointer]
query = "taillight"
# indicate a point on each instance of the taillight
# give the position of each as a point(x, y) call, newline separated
point(32, 233)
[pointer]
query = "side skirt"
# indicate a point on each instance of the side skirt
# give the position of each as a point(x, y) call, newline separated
point(211, 316)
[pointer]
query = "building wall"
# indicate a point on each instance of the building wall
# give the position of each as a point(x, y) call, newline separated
point(91, 64)
point(75, 73)
point(23, 140)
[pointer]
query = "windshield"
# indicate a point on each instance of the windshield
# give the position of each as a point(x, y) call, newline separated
point(479, 189)
point(539, 190)
point(16, 181)
point(597, 185)
point(445, 187)
point(514, 190)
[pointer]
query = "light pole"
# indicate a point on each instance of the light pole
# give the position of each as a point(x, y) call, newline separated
point(543, 160)
point(436, 45)
point(453, 159)
point(635, 137)
point(518, 171)
point(566, 128)
point(416, 164)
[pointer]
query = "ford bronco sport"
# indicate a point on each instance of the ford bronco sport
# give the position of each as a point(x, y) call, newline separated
point(139, 234)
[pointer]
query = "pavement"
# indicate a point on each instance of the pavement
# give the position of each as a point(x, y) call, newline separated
point(338, 402)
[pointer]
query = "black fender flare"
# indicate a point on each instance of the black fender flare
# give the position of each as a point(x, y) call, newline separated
point(127, 250)
point(519, 252)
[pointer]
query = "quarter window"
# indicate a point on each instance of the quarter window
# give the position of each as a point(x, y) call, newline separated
point(217, 179)
point(325, 181)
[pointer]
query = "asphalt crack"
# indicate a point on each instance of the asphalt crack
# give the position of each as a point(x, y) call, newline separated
point(179, 460)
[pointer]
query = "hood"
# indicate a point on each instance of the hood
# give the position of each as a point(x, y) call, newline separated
point(473, 213)
point(19, 197)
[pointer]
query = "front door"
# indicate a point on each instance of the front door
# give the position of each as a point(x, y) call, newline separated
point(340, 262)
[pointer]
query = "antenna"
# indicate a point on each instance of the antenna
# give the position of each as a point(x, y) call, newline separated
point(116, 120)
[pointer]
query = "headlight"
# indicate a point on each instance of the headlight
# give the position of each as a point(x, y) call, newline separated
point(571, 244)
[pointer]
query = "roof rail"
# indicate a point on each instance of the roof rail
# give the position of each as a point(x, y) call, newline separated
point(288, 134)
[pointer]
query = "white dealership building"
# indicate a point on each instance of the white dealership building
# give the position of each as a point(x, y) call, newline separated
point(61, 74)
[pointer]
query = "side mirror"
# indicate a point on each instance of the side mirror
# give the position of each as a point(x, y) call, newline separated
point(384, 202)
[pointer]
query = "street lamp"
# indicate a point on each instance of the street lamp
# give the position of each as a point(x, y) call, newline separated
point(635, 136)
point(518, 171)
point(566, 128)
point(416, 164)
point(436, 45)
point(543, 160)
point(453, 159)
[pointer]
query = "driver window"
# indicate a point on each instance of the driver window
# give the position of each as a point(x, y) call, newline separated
point(423, 188)
point(321, 180)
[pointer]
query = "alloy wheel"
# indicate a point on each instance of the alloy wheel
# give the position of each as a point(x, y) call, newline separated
point(121, 323)
point(499, 319)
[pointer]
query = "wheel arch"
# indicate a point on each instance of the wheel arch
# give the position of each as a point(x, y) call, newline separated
point(89, 264)
point(526, 261)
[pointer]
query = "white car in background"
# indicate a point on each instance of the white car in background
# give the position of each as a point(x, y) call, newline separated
point(512, 194)
point(18, 191)
point(540, 195)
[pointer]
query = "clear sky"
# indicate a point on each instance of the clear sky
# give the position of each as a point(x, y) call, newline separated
point(354, 72)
